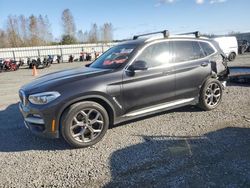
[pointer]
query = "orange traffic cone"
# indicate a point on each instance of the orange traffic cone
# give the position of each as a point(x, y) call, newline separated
point(34, 71)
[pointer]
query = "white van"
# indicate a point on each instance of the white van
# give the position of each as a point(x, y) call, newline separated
point(229, 46)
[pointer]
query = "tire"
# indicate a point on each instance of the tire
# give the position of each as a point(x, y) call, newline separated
point(210, 95)
point(232, 56)
point(84, 124)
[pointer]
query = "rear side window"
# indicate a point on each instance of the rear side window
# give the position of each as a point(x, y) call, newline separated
point(208, 50)
point(187, 51)
point(156, 55)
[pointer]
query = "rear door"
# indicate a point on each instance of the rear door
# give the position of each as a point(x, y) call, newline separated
point(154, 85)
point(192, 68)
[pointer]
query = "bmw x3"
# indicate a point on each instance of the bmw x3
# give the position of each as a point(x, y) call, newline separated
point(136, 78)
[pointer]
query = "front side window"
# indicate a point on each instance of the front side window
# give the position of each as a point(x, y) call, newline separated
point(156, 55)
point(187, 51)
point(115, 57)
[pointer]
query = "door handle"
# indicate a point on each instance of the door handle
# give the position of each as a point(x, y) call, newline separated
point(204, 64)
point(167, 72)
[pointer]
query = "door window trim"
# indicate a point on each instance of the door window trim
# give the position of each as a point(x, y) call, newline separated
point(200, 59)
point(169, 40)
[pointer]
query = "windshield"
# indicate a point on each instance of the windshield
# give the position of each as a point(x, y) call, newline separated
point(114, 57)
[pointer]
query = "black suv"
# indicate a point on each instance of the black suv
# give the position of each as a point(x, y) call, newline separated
point(133, 79)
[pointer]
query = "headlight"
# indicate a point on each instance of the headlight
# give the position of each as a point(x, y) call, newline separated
point(43, 98)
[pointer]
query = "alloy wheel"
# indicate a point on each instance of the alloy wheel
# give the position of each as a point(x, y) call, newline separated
point(87, 125)
point(213, 94)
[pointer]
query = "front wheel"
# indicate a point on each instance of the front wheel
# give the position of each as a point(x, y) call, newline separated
point(84, 124)
point(210, 95)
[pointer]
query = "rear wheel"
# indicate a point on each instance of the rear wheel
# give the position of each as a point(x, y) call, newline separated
point(211, 94)
point(84, 124)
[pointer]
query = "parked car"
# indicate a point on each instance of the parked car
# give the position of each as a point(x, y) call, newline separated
point(150, 75)
point(229, 46)
point(244, 46)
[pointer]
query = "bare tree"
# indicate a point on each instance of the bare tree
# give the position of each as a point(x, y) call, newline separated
point(23, 25)
point(93, 34)
point(68, 23)
point(13, 31)
point(41, 30)
point(49, 35)
point(44, 33)
point(85, 36)
point(3, 39)
point(80, 36)
point(107, 32)
point(33, 30)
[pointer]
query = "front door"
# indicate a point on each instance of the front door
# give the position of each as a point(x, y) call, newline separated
point(154, 85)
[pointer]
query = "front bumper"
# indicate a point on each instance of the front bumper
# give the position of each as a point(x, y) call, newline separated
point(39, 122)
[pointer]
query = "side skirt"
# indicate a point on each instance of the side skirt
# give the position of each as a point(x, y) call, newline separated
point(156, 109)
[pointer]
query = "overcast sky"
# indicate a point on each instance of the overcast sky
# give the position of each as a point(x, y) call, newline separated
point(131, 17)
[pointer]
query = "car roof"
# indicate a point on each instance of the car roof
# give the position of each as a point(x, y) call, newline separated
point(138, 41)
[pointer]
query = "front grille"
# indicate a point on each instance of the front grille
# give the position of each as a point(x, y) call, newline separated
point(23, 98)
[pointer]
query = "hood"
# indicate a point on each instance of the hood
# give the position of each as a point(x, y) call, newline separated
point(62, 77)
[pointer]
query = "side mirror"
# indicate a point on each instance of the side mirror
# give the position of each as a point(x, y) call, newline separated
point(140, 65)
point(137, 65)
point(87, 65)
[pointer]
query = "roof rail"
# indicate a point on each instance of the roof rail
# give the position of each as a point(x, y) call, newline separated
point(197, 34)
point(164, 32)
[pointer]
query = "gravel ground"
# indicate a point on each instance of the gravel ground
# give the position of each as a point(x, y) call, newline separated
point(185, 147)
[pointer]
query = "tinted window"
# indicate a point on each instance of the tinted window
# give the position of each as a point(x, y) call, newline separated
point(208, 50)
point(156, 55)
point(187, 51)
point(115, 57)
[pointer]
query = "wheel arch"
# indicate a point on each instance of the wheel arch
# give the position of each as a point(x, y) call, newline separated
point(212, 75)
point(94, 98)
